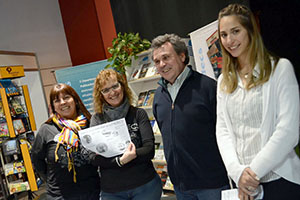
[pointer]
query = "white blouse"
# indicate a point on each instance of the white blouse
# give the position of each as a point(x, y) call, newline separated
point(245, 110)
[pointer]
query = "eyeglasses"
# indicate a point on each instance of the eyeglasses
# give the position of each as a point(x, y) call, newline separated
point(108, 90)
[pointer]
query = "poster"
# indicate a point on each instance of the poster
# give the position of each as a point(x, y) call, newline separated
point(206, 49)
point(82, 78)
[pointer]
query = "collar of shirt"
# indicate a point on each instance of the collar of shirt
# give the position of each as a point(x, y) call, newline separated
point(174, 88)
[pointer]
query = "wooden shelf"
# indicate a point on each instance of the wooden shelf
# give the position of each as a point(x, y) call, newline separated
point(145, 79)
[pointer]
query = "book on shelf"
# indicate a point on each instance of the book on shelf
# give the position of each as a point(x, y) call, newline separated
point(151, 71)
point(11, 88)
point(144, 64)
point(160, 167)
point(135, 73)
point(19, 126)
point(163, 177)
point(152, 122)
point(145, 98)
point(16, 105)
point(159, 155)
point(10, 147)
point(14, 168)
point(141, 98)
point(15, 187)
point(4, 130)
point(168, 184)
point(149, 98)
point(155, 128)
point(144, 70)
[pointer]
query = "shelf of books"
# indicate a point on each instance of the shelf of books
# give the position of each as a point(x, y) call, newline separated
point(16, 134)
point(142, 79)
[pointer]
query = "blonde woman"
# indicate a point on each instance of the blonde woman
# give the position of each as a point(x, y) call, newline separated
point(257, 111)
point(130, 175)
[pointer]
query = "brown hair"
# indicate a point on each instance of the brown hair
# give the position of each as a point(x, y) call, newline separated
point(66, 89)
point(101, 80)
point(258, 54)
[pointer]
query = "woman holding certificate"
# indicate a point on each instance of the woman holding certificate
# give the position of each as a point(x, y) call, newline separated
point(57, 153)
point(130, 175)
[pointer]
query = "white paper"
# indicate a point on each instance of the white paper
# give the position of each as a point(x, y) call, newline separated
point(109, 139)
point(230, 194)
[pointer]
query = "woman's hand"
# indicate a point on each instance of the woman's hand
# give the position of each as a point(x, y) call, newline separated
point(129, 154)
point(244, 196)
point(248, 183)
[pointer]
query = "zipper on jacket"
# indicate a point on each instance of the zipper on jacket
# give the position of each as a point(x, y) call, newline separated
point(172, 105)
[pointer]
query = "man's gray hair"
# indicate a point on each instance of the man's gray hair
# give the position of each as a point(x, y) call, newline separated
point(176, 41)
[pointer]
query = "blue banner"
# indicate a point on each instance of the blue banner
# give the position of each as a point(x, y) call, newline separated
point(82, 78)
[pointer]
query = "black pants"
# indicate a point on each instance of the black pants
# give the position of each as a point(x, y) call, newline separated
point(281, 189)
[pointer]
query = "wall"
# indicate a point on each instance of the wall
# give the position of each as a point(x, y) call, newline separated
point(35, 26)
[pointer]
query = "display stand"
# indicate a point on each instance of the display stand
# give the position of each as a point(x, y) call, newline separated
point(16, 134)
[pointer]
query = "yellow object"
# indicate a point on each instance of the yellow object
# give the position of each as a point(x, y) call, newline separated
point(28, 167)
point(7, 113)
point(29, 107)
point(11, 71)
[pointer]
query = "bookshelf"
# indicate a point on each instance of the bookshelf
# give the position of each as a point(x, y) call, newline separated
point(16, 134)
point(143, 89)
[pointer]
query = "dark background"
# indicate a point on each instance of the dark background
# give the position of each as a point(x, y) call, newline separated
point(279, 20)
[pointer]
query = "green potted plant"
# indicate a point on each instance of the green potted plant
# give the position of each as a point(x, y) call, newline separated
point(123, 48)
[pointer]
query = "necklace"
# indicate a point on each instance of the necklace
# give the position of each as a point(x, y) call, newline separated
point(245, 75)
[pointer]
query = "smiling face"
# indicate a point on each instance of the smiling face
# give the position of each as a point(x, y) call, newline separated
point(234, 37)
point(65, 106)
point(168, 63)
point(112, 92)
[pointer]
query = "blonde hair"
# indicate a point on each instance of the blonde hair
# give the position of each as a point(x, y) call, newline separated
point(101, 80)
point(258, 54)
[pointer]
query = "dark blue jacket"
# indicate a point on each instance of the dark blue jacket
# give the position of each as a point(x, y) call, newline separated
point(188, 131)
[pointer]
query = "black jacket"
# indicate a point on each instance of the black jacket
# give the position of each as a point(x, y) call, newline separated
point(59, 180)
point(140, 170)
point(188, 131)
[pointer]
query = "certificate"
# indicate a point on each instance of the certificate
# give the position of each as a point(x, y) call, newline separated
point(108, 140)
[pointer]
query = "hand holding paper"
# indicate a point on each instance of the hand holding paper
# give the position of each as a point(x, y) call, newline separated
point(129, 154)
point(109, 139)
